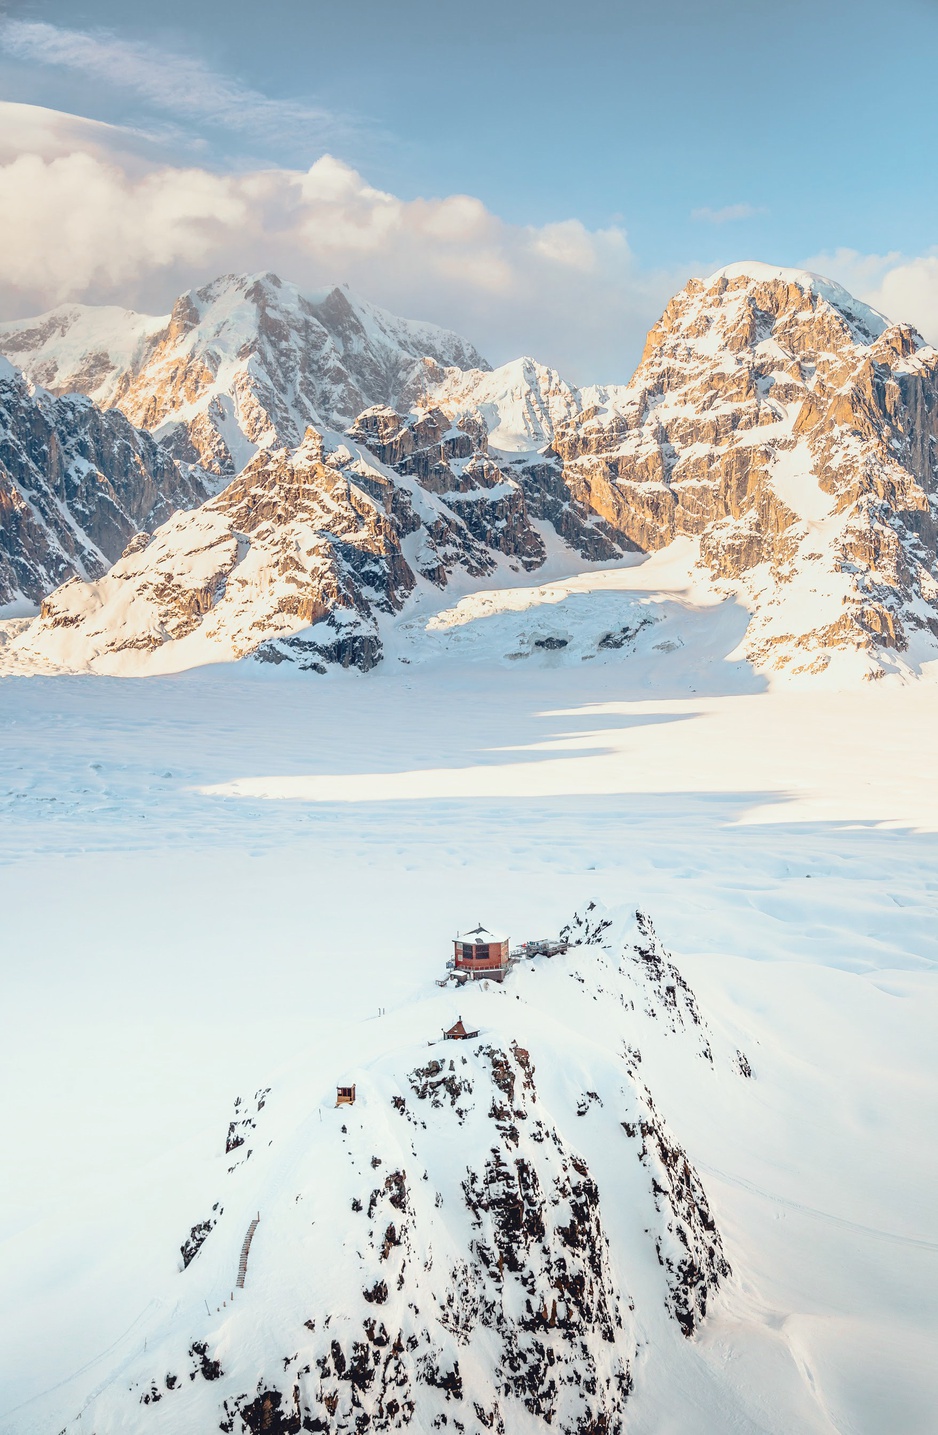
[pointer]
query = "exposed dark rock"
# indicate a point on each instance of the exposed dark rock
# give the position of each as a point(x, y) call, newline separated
point(76, 487)
point(265, 1415)
point(205, 1366)
point(197, 1236)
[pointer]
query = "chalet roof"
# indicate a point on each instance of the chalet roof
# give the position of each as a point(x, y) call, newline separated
point(480, 936)
point(458, 1032)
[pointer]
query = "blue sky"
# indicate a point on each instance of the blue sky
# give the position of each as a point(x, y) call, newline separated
point(700, 132)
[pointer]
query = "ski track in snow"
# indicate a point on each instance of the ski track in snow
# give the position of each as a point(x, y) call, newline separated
point(804, 1210)
point(174, 941)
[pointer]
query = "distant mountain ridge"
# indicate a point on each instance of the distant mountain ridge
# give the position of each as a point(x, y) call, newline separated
point(250, 382)
point(246, 362)
point(787, 428)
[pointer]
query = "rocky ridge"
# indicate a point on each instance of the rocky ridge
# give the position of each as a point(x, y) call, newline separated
point(292, 542)
point(301, 558)
point(485, 1239)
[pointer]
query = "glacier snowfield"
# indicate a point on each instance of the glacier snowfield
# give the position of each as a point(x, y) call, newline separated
point(205, 876)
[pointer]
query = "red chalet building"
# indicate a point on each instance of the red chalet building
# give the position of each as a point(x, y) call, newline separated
point(481, 953)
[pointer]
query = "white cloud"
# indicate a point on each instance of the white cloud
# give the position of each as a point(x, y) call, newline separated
point(910, 291)
point(88, 218)
point(903, 287)
point(727, 214)
point(176, 84)
point(31, 129)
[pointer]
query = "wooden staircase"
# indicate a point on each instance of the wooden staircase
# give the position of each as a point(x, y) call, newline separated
point(246, 1251)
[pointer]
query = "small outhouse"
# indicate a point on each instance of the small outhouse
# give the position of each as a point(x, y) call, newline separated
point(345, 1096)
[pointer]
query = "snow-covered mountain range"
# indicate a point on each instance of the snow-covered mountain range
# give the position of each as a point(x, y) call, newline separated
point(246, 362)
point(354, 464)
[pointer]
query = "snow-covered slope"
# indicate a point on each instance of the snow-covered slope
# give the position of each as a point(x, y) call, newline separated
point(489, 1237)
point(322, 540)
point(76, 484)
point(205, 876)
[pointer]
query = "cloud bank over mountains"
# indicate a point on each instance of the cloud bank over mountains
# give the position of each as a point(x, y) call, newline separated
point(101, 215)
point(134, 213)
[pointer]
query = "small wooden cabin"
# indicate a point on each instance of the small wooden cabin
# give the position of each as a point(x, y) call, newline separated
point(481, 953)
point(458, 1032)
point(345, 1096)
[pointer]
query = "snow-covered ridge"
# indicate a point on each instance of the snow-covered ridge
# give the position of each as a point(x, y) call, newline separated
point(873, 323)
point(248, 361)
point(81, 348)
point(245, 362)
point(490, 1234)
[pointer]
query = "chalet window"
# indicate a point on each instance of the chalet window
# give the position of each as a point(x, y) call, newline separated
point(481, 952)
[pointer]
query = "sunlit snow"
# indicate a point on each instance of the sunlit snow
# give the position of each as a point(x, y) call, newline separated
point(210, 875)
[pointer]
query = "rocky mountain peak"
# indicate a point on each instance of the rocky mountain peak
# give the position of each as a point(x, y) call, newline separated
point(183, 318)
point(793, 431)
point(745, 305)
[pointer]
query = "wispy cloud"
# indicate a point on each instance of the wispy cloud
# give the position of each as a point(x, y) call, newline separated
point(175, 84)
point(727, 214)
